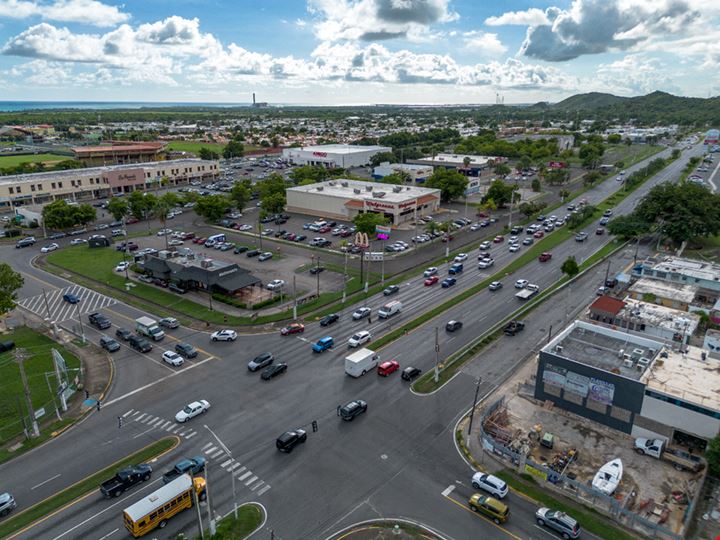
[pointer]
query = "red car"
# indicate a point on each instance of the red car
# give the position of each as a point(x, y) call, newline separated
point(325, 229)
point(345, 233)
point(196, 240)
point(293, 328)
point(131, 220)
point(539, 234)
point(545, 256)
point(447, 238)
point(432, 280)
point(386, 368)
point(498, 239)
point(200, 241)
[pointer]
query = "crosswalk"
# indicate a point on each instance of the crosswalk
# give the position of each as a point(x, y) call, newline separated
point(51, 304)
point(210, 449)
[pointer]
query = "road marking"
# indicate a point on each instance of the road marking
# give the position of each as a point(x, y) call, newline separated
point(219, 452)
point(191, 435)
point(127, 413)
point(148, 420)
point(260, 483)
point(166, 424)
point(210, 450)
point(467, 509)
point(109, 534)
point(143, 432)
point(45, 482)
point(225, 463)
point(234, 466)
point(159, 421)
point(251, 480)
point(241, 470)
point(208, 445)
point(448, 490)
point(263, 490)
point(143, 415)
point(176, 429)
point(244, 476)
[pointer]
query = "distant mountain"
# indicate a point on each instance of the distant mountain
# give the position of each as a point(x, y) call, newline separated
point(591, 100)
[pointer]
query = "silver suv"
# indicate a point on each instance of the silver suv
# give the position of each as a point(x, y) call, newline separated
point(7, 503)
point(567, 526)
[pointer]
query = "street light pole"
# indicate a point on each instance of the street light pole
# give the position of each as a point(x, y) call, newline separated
point(437, 356)
point(227, 451)
point(472, 411)
point(82, 328)
point(344, 279)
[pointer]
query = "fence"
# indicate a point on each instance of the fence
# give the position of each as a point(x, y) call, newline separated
point(560, 483)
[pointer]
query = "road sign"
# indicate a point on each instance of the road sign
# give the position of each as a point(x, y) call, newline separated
point(384, 229)
point(39, 412)
point(374, 256)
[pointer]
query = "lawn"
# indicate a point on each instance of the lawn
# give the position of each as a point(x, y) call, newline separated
point(14, 161)
point(38, 363)
point(250, 516)
point(194, 146)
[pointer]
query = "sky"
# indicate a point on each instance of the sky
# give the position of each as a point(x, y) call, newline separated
point(342, 52)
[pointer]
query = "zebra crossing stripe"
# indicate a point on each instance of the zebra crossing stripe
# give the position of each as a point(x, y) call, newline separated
point(241, 470)
point(159, 421)
point(208, 445)
point(219, 452)
point(263, 490)
point(127, 413)
point(244, 476)
point(191, 435)
point(165, 424)
point(143, 415)
point(251, 480)
point(148, 420)
point(210, 450)
point(260, 483)
point(234, 466)
point(225, 463)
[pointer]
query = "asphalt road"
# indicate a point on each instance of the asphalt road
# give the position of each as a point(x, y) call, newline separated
point(396, 460)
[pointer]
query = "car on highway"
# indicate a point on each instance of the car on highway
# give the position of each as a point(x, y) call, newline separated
point(323, 344)
point(492, 484)
point(186, 350)
point(49, 248)
point(521, 283)
point(460, 257)
point(172, 358)
point(329, 319)
point(485, 263)
point(169, 322)
point(7, 504)
point(123, 333)
point(361, 313)
point(71, 298)
point(224, 335)
point(581, 236)
point(351, 410)
point(538, 234)
point(607, 213)
point(604, 221)
point(599, 231)
point(498, 239)
point(448, 282)
point(431, 271)
point(273, 371)
point(409, 373)
point(292, 328)
point(109, 344)
point(529, 241)
point(559, 521)
point(275, 284)
point(122, 266)
point(260, 361)
point(25, 242)
point(392, 289)
point(489, 507)
point(545, 256)
point(495, 286)
point(191, 466)
point(485, 246)
point(164, 232)
point(456, 268)
point(290, 439)
point(512, 248)
point(432, 280)
point(453, 325)
point(191, 410)
point(359, 338)
point(388, 367)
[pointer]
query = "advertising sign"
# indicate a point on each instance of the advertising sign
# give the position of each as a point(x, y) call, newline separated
point(384, 229)
point(374, 256)
point(602, 391)
point(557, 165)
point(535, 472)
point(579, 384)
point(554, 375)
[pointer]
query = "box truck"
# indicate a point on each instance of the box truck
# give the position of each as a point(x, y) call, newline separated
point(149, 327)
point(360, 362)
point(390, 309)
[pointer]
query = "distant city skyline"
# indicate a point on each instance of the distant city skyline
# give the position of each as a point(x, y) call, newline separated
point(345, 52)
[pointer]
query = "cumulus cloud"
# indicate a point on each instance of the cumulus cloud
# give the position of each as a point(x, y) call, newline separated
point(597, 26)
point(484, 43)
point(634, 74)
point(530, 17)
point(90, 12)
point(375, 20)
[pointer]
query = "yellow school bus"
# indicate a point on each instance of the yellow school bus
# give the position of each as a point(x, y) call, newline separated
point(157, 508)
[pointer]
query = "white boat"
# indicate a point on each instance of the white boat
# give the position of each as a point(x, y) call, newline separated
point(608, 477)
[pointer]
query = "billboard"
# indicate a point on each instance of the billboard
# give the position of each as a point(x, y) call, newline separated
point(557, 165)
point(554, 375)
point(602, 391)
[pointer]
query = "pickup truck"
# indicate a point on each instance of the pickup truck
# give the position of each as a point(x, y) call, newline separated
point(125, 479)
point(190, 466)
point(100, 321)
point(513, 327)
point(680, 459)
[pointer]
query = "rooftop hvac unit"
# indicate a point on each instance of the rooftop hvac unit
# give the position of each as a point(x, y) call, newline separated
point(206, 263)
point(344, 184)
point(397, 189)
point(331, 183)
point(638, 352)
point(558, 348)
point(620, 353)
point(378, 194)
point(368, 188)
point(320, 188)
point(626, 357)
point(357, 191)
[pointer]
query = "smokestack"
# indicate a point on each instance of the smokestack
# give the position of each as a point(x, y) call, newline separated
point(253, 98)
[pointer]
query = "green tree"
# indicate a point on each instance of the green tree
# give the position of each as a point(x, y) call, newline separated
point(212, 207)
point(535, 185)
point(712, 454)
point(141, 203)
point(614, 138)
point(675, 153)
point(500, 192)
point(530, 208)
point(393, 178)
point(502, 169)
point(118, 207)
point(451, 184)
point(557, 176)
point(273, 203)
point(628, 226)
point(271, 185)
point(570, 267)
point(316, 173)
point(524, 162)
point(382, 157)
point(240, 196)
point(431, 227)
point(233, 149)
point(61, 215)
point(591, 177)
point(10, 282)
point(366, 222)
point(206, 153)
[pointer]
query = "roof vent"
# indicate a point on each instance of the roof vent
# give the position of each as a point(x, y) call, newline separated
point(344, 184)
point(356, 190)
point(378, 194)
point(397, 189)
point(206, 263)
point(320, 188)
point(368, 188)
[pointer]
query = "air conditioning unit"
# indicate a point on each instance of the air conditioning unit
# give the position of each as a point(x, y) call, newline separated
point(620, 353)
point(320, 188)
point(344, 184)
point(206, 263)
point(368, 188)
point(356, 191)
point(558, 348)
point(378, 194)
point(397, 189)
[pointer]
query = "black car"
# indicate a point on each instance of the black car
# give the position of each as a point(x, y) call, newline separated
point(280, 221)
point(140, 344)
point(100, 321)
point(123, 333)
point(109, 344)
point(290, 439)
point(280, 233)
point(240, 249)
point(186, 350)
point(409, 373)
point(329, 319)
point(451, 326)
point(57, 236)
point(350, 410)
point(25, 242)
point(317, 269)
point(273, 371)
point(392, 289)
point(253, 253)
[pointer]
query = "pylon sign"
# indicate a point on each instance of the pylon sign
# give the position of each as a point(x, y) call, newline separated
point(362, 240)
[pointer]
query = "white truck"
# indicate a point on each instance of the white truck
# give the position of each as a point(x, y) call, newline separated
point(680, 459)
point(526, 294)
point(149, 327)
point(360, 362)
point(390, 309)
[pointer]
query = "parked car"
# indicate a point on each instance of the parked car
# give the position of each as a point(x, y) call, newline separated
point(265, 256)
point(492, 484)
point(567, 526)
point(186, 350)
point(173, 358)
point(252, 253)
point(109, 344)
point(71, 298)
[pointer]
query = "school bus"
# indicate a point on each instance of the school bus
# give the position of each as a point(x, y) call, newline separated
point(157, 508)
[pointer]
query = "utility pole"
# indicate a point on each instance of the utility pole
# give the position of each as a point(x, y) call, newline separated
point(294, 300)
point(199, 515)
point(382, 265)
point(20, 357)
point(472, 411)
point(344, 279)
point(227, 451)
point(317, 274)
point(607, 273)
point(82, 328)
point(211, 521)
point(437, 355)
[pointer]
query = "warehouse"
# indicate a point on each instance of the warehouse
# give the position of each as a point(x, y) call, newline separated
point(341, 156)
point(344, 199)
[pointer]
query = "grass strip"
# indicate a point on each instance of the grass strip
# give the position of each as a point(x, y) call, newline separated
point(589, 519)
point(83, 487)
point(250, 517)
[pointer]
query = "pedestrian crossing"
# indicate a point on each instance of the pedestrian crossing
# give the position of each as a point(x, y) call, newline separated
point(51, 305)
point(211, 450)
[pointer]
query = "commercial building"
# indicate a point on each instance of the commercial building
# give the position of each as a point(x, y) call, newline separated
point(712, 137)
point(704, 275)
point(341, 156)
point(344, 199)
point(664, 293)
point(631, 383)
point(475, 164)
point(119, 153)
point(95, 182)
point(416, 173)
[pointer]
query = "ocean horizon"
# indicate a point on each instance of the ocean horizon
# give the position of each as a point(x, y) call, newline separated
point(11, 106)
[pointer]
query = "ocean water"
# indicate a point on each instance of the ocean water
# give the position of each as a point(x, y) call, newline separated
point(11, 106)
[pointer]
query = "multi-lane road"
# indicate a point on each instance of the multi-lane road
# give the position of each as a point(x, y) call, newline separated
point(396, 460)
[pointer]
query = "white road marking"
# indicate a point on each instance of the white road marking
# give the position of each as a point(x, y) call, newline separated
point(149, 420)
point(260, 483)
point(210, 450)
point(45, 482)
point(191, 435)
point(234, 466)
point(244, 476)
point(448, 490)
point(128, 413)
point(143, 433)
point(208, 445)
point(109, 534)
point(241, 470)
point(143, 415)
point(263, 490)
point(226, 463)
point(251, 480)
point(219, 452)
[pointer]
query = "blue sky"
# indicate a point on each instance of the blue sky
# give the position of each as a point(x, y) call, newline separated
point(356, 51)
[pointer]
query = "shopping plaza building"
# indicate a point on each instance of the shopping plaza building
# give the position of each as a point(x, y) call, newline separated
point(98, 182)
point(341, 156)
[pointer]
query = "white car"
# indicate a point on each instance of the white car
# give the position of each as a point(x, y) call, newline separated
point(191, 410)
point(460, 257)
point(49, 248)
point(164, 232)
point(173, 358)
point(485, 245)
point(359, 338)
point(245, 227)
point(512, 248)
point(485, 263)
point(275, 284)
point(265, 256)
point(224, 335)
point(175, 242)
point(430, 271)
point(121, 267)
point(361, 313)
point(521, 283)
point(77, 241)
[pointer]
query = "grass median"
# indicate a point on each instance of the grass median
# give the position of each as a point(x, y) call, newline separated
point(83, 487)
point(250, 517)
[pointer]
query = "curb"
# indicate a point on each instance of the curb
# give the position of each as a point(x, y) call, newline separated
point(349, 529)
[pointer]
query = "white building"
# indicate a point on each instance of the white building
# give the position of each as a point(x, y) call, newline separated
point(334, 155)
point(475, 164)
point(417, 173)
point(344, 199)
